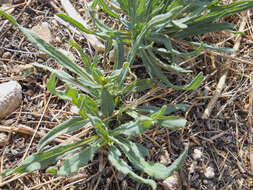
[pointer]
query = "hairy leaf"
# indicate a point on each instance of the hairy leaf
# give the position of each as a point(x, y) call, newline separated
point(43, 159)
point(107, 103)
point(70, 125)
point(78, 160)
point(122, 166)
point(156, 170)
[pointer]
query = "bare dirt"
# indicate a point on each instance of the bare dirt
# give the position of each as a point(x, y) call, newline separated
point(220, 141)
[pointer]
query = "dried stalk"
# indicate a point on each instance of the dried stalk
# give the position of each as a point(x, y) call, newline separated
point(223, 78)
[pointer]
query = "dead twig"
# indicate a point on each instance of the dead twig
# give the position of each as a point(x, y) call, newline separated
point(250, 133)
point(223, 78)
point(25, 130)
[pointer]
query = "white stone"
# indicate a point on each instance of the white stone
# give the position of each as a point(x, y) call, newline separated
point(209, 172)
point(74, 109)
point(43, 31)
point(197, 154)
point(10, 97)
point(171, 182)
point(3, 139)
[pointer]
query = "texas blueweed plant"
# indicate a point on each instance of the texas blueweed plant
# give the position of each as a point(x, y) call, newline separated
point(155, 30)
point(152, 29)
point(102, 100)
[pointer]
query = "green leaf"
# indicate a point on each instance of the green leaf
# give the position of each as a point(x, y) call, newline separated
point(195, 83)
point(119, 54)
point(107, 9)
point(83, 84)
point(170, 109)
point(202, 28)
point(123, 73)
point(217, 12)
point(159, 19)
point(54, 53)
point(159, 113)
point(74, 23)
point(107, 103)
point(121, 165)
point(155, 72)
point(78, 160)
point(156, 170)
point(10, 18)
point(100, 126)
point(98, 76)
point(70, 125)
point(85, 58)
point(134, 128)
point(163, 52)
point(51, 170)
point(172, 122)
point(43, 159)
point(212, 47)
point(89, 105)
point(179, 24)
point(143, 84)
point(69, 94)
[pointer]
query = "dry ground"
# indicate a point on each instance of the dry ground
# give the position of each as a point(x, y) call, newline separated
point(223, 136)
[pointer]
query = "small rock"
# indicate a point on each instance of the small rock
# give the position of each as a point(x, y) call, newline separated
point(7, 55)
point(40, 60)
point(171, 182)
point(58, 40)
point(74, 109)
point(197, 154)
point(209, 172)
point(165, 158)
point(205, 181)
point(42, 30)
point(124, 185)
point(192, 167)
point(1, 52)
point(42, 55)
point(3, 139)
point(10, 97)
point(121, 176)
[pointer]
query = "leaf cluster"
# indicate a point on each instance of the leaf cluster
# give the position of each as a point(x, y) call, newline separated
point(155, 29)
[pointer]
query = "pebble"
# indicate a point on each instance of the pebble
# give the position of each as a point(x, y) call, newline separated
point(197, 154)
point(209, 172)
point(6, 55)
point(1, 52)
point(43, 31)
point(3, 139)
point(171, 182)
point(74, 109)
point(121, 176)
point(10, 97)
point(165, 158)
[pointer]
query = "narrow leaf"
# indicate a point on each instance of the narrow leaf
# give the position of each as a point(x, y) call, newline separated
point(122, 166)
point(170, 109)
point(75, 23)
point(134, 128)
point(10, 18)
point(172, 122)
point(43, 159)
point(156, 170)
point(70, 125)
point(107, 103)
point(77, 161)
